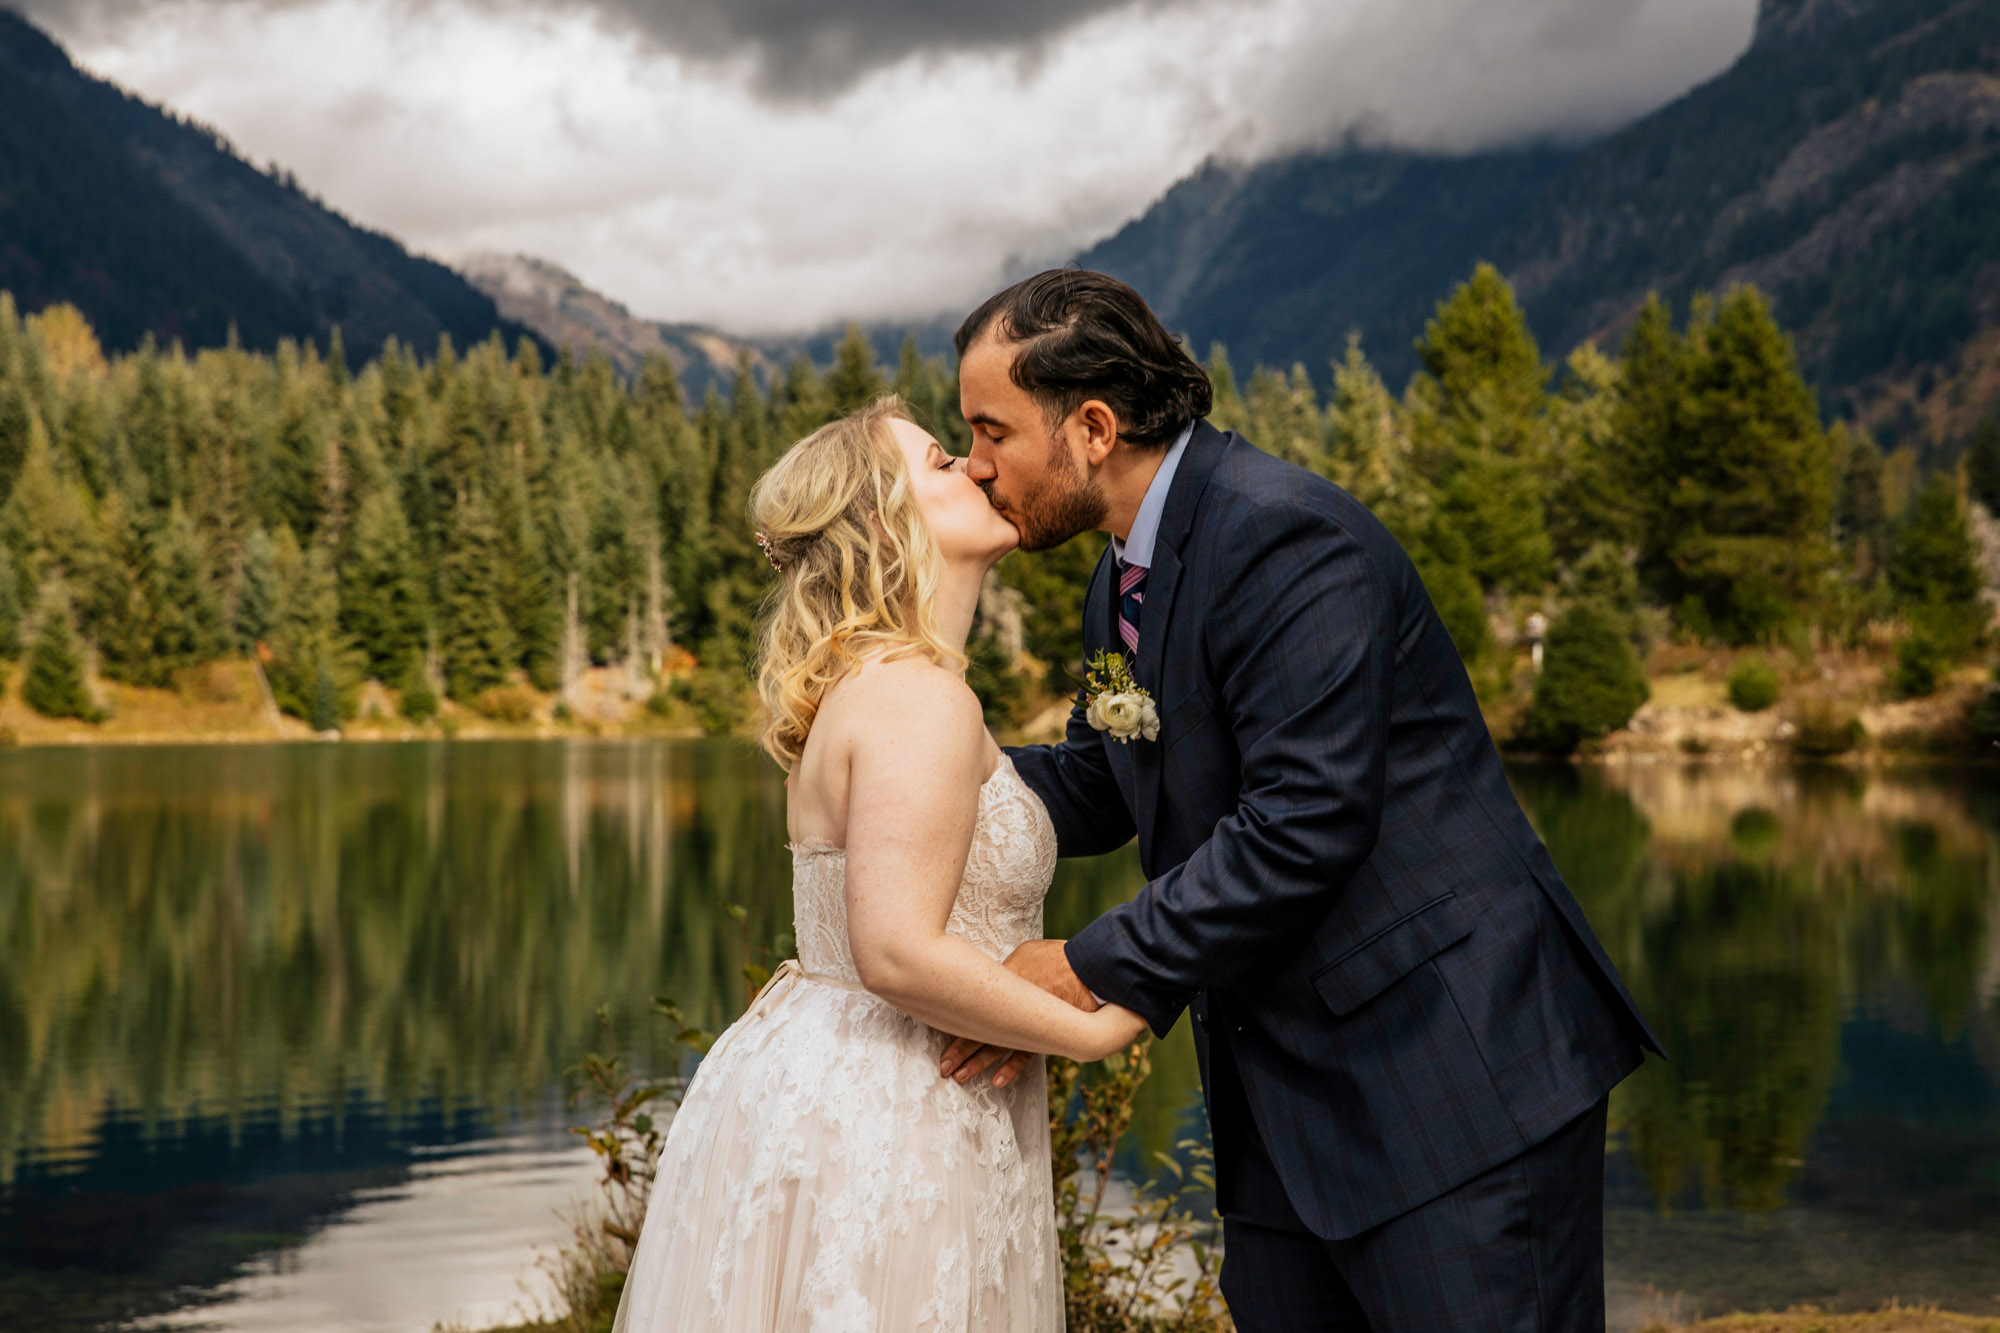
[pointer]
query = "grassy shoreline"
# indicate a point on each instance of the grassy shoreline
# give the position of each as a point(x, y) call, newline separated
point(1688, 717)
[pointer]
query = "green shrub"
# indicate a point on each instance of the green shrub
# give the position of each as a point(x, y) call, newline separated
point(507, 703)
point(54, 684)
point(1922, 660)
point(1591, 682)
point(1823, 729)
point(1002, 693)
point(325, 703)
point(1753, 685)
point(719, 700)
point(420, 701)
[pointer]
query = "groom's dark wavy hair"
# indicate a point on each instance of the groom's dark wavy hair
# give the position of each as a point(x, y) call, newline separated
point(1085, 335)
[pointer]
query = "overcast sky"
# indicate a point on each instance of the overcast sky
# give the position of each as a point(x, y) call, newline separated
point(770, 165)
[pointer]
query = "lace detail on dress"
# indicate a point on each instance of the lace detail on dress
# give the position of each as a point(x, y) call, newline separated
point(820, 1177)
point(1007, 873)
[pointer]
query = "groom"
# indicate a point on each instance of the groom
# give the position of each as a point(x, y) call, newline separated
point(1407, 1030)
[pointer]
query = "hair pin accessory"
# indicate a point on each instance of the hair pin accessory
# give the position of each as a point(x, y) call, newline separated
point(765, 542)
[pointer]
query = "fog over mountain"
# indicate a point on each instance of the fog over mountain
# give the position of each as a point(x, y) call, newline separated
point(776, 164)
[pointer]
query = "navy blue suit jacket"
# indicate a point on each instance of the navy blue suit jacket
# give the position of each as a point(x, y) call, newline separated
point(1337, 866)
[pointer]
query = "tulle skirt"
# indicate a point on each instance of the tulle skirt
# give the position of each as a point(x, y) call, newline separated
point(820, 1177)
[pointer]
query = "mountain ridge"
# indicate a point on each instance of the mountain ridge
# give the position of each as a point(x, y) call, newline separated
point(153, 224)
point(1848, 162)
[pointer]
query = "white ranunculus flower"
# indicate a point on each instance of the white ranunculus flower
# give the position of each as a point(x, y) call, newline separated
point(1124, 714)
point(1095, 713)
point(1149, 718)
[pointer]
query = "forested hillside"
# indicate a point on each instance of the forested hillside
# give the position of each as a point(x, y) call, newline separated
point(1848, 164)
point(153, 225)
point(485, 523)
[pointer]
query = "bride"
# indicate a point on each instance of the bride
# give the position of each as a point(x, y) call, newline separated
point(821, 1174)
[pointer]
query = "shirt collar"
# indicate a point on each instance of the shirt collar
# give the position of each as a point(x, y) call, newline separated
point(1137, 548)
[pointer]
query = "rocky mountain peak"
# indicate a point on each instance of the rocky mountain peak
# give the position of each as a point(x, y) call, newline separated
point(1788, 20)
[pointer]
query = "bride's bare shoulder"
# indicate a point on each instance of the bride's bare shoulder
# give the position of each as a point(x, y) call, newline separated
point(910, 691)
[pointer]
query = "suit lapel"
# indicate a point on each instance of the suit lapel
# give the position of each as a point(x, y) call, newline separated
point(1163, 580)
point(1099, 615)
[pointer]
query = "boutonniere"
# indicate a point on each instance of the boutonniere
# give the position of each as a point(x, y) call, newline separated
point(1116, 703)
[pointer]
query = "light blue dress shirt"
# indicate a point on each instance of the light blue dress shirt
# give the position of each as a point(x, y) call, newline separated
point(1137, 548)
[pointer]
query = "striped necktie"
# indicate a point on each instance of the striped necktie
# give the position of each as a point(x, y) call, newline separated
point(1131, 598)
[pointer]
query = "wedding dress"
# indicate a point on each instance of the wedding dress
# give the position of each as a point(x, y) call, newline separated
point(821, 1177)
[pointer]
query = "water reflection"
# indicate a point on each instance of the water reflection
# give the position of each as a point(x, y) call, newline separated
point(247, 991)
point(1816, 950)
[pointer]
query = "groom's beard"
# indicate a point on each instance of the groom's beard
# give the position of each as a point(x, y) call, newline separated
point(1061, 504)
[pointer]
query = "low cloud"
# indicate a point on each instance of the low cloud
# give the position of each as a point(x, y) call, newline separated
point(774, 164)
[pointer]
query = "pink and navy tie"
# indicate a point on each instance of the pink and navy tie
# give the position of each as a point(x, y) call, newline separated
point(1131, 598)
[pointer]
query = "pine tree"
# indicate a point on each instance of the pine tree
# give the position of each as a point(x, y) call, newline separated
point(1371, 441)
point(47, 519)
point(115, 608)
point(1862, 516)
point(1585, 489)
point(1735, 535)
point(1285, 419)
point(855, 381)
point(305, 637)
point(257, 590)
point(11, 609)
point(1479, 421)
point(383, 606)
point(186, 610)
point(1228, 411)
point(325, 714)
point(54, 684)
point(1933, 571)
point(479, 645)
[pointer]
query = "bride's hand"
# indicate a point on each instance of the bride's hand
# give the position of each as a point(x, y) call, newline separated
point(1111, 1029)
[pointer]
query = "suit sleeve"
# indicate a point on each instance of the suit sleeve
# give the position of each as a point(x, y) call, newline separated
point(1075, 783)
point(1303, 657)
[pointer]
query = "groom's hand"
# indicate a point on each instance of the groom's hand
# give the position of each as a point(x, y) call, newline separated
point(1044, 963)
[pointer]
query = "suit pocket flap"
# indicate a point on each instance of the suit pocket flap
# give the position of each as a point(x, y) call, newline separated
point(1369, 968)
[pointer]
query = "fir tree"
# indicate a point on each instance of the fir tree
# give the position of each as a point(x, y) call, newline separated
point(1584, 488)
point(11, 609)
point(325, 714)
point(1862, 516)
point(479, 645)
point(256, 589)
point(115, 608)
point(854, 382)
point(1369, 440)
point(186, 610)
point(1228, 411)
point(1479, 422)
point(1735, 535)
point(1933, 571)
point(54, 684)
point(305, 636)
point(383, 606)
point(420, 701)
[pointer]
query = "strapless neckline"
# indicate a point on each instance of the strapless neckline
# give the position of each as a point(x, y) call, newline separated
point(826, 847)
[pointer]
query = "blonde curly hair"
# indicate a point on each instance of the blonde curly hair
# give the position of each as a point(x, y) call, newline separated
point(858, 569)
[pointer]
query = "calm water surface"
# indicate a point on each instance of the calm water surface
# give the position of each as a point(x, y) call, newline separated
point(283, 1029)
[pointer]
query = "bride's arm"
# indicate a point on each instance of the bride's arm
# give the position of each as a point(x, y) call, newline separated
point(915, 771)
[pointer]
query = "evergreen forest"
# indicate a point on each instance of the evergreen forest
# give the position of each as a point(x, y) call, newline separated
point(476, 524)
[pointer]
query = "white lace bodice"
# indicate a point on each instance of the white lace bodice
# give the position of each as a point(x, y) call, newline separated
point(820, 1175)
point(1007, 874)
